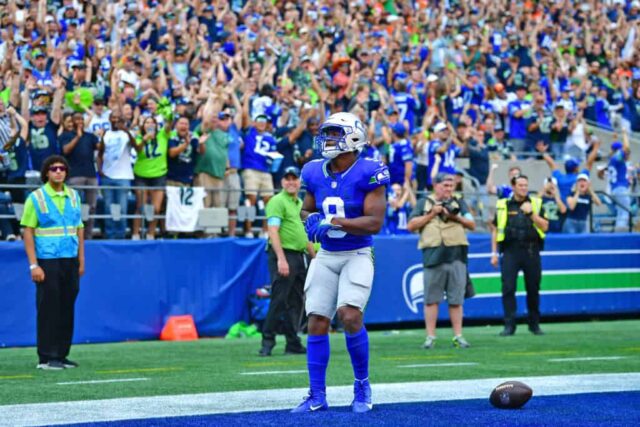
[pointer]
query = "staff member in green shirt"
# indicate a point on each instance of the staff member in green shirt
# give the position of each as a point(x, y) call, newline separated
point(287, 265)
point(54, 242)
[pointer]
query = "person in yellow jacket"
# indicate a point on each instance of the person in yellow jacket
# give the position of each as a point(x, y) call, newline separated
point(54, 242)
point(518, 234)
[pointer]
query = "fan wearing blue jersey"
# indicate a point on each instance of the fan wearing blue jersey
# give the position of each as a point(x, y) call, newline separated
point(257, 148)
point(443, 153)
point(343, 207)
point(567, 180)
point(407, 103)
point(400, 154)
point(619, 181)
point(502, 191)
point(401, 203)
point(437, 146)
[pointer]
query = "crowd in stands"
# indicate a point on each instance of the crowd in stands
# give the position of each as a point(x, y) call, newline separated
point(227, 94)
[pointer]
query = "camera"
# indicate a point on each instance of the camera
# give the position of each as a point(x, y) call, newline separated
point(452, 206)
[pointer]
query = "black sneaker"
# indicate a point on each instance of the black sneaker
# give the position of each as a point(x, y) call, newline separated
point(69, 363)
point(508, 331)
point(295, 349)
point(265, 351)
point(52, 365)
point(535, 330)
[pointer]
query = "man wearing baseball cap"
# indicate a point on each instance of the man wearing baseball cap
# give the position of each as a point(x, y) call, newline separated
point(288, 243)
point(579, 206)
point(440, 220)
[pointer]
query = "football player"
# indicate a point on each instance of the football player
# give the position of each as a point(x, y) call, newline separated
point(344, 205)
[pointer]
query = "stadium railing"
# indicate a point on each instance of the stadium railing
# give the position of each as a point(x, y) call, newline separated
point(481, 204)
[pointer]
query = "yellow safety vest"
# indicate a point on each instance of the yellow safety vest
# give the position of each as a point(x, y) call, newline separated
point(502, 215)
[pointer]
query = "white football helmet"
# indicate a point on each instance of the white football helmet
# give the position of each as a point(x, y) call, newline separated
point(341, 133)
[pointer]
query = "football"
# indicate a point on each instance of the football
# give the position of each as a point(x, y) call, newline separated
point(510, 395)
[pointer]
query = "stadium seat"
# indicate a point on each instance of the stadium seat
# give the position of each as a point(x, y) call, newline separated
point(148, 212)
point(246, 213)
point(85, 212)
point(116, 212)
point(18, 209)
point(213, 220)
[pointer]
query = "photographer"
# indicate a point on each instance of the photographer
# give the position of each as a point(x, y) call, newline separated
point(441, 220)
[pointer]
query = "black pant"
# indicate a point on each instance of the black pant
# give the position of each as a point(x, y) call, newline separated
point(527, 259)
point(55, 301)
point(287, 296)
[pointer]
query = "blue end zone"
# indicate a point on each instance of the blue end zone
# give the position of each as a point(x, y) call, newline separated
point(593, 409)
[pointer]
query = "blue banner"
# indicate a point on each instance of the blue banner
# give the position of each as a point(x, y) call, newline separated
point(397, 294)
point(131, 288)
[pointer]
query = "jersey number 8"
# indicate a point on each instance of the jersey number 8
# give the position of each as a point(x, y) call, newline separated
point(334, 206)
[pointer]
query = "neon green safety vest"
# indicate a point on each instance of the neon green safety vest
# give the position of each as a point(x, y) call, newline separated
point(502, 215)
point(56, 235)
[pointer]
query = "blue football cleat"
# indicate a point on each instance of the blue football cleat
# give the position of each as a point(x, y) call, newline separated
point(361, 396)
point(315, 401)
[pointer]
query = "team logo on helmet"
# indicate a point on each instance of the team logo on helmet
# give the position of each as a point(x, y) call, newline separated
point(413, 287)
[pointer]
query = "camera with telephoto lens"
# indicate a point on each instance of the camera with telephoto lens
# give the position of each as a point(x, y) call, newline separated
point(452, 206)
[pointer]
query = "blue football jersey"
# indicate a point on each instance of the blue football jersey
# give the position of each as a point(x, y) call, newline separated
point(256, 148)
point(617, 170)
point(406, 105)
point(399, 153)
point(342, 195)
point(397, 219)
point(504, 191)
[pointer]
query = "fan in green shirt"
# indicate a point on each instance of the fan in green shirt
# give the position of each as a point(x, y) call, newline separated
point(154, 144)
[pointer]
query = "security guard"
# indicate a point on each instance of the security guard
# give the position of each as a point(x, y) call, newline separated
point(287, 265)
point(54, 242)
point(519, 230)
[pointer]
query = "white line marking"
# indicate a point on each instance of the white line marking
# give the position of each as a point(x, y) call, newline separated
point(436, 365)
point(586, 359)
point(266, 400)
point(118, 380)
point(274, 372)
point(563, 272)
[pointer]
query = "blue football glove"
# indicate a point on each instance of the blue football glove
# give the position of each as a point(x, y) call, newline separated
point(317, 227)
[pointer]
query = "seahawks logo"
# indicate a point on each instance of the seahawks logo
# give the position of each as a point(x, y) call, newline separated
point(382, 176)
point(413, 287)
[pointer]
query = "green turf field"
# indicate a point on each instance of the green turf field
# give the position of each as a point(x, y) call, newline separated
point(211, 365)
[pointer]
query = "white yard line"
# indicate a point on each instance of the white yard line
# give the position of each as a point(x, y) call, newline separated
point(586, 359)
point(301, 371)
point(264, 400)
point(118, 380)
point(436, 365)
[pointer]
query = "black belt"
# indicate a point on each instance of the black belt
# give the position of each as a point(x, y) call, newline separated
point(287, 250)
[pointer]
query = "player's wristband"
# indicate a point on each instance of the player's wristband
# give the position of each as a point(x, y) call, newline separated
point(33, 266)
